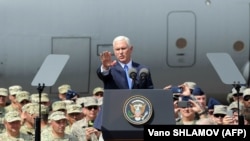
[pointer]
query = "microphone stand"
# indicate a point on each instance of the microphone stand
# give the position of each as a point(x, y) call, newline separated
point(134, 83)
point(143, 82)
point(132, 75)
point(240, 116)
point(38, 119)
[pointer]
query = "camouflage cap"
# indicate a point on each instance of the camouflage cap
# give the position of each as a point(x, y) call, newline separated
point(81, 100)
point(12, 116)
point(44, 109)
point(98, 89)
point(246, 92)
point(100, 100)
point(220, 109)
point(33, 109)
point(74, 108)
point(91, 101)
point(3, 92)
point(234, 105)
point(26, 106)
point(58, 105)
point(57, 115)
point(230, 97)
point(68, 102)
point(14, 89)
point(63, 89)
point(22, 95)
point(35, 97)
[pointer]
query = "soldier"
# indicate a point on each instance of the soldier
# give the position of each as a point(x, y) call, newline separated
point(81, 101)
point(3, 100)
point(44, 99)
point(83, 129)
point(12, 97)
point(12, 123)
point(74, 113)
point(62, 91)
point(44, 117)
point(98, 92)
point(31, 111)
point(58, 123)
point(22, 98)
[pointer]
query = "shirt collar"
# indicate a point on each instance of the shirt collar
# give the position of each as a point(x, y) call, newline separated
point(129, 64)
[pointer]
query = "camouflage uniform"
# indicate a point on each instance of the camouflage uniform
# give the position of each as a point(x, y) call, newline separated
point(78, 130)
point(29, 131)
point(30, 108)
point(68, 129)
point(13, 91)
point(11, 117)
point(73, 108)
point(22, 137)
point(3, 92)
point(45, 128)
point(47, 135)
point(10, 108)
point(2, 113)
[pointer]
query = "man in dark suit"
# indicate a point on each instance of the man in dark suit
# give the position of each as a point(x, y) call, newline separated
point(112, 72)
point(114, 76)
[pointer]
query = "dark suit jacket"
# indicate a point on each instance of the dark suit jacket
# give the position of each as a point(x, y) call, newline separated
point(117, 78)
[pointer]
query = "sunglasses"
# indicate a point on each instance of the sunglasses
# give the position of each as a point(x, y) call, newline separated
point(92, 107)
point(24, 102)
point(219, 115)
point(99, 94)
point(74, 114)
point(240, 94)
point(246, 98)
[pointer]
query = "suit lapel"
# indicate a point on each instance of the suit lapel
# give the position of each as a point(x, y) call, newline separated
point(119, 76)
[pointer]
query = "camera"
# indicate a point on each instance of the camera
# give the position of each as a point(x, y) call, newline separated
point(90, 123)
point(176, 89)
point(184, 104)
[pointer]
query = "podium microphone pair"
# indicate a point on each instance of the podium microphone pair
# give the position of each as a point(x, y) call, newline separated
point(143, 74)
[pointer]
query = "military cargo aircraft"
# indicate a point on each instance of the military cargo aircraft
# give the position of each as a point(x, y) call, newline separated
point(172, 37)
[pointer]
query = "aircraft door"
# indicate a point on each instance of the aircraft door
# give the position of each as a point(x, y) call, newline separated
point(77, 70)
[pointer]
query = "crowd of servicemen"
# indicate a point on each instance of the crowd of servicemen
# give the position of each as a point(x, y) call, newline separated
point(72, 116)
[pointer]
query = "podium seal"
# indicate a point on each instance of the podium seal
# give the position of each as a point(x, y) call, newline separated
point(137, 110)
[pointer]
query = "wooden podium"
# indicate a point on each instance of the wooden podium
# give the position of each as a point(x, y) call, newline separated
point(120, 124)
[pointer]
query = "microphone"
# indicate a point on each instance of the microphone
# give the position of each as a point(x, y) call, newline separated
point(132, 73)
point(143, 73)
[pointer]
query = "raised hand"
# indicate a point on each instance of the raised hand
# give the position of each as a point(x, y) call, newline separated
point(106, 59)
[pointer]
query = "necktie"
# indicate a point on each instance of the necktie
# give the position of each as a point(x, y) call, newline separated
point(128, 78)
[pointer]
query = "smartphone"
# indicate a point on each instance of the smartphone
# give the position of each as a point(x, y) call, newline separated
point(184, 104)
point(90, 123)
point(230, 113)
